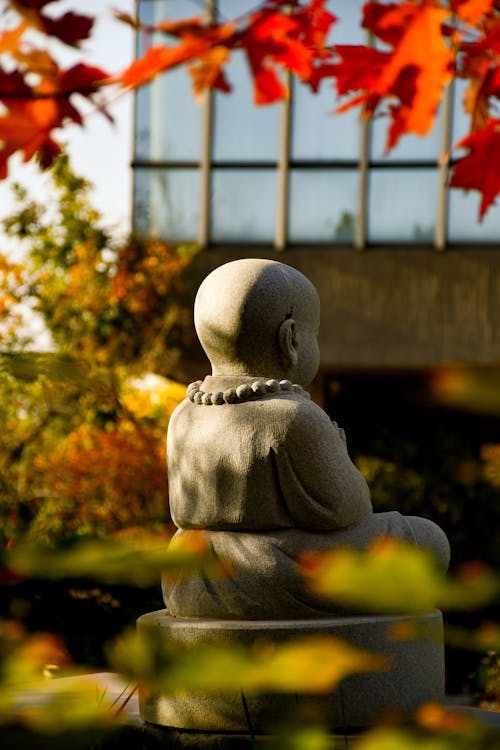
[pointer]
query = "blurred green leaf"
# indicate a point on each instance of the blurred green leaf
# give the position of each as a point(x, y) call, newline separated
point(56, 705)
point(307, 664)
point(137, 563)
point(29, 366)
point(30, 696)
point(392, 576)
point(299, 738)
point(400, 739)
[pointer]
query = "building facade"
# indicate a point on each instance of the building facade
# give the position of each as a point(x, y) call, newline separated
point(408, 277)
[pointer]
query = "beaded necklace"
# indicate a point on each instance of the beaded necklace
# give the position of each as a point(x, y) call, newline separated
point(243, 392)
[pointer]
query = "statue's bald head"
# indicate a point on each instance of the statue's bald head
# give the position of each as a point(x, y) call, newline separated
point(252, 314)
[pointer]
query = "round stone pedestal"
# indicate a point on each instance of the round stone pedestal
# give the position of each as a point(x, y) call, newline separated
point(415, 673)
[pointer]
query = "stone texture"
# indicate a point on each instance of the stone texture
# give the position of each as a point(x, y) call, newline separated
point(266, 476)
point(415, 676)
point(266, 581)
point(272, 463)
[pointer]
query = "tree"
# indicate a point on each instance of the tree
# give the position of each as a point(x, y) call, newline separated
point(83, 446)
point(418, 47)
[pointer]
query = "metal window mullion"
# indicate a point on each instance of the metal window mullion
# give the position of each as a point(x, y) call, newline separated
point(206, 150)
point(360, 234)
point(206, 169)
point(283, 170)
point(440, 235)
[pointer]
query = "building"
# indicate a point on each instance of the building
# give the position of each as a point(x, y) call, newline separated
point(408, 278)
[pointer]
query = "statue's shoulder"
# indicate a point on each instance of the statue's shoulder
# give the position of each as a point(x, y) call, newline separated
point(299, 412)
point(178, 412)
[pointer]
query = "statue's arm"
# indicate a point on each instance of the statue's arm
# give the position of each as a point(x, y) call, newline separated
point(320, 474)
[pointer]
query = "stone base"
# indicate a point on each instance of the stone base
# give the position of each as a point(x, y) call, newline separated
point(415, 674)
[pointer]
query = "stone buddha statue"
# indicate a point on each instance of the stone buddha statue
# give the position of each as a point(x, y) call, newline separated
point(256, 465)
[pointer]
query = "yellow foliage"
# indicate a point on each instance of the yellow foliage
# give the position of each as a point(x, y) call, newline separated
point(393, 576)
point(138, 560)
point(307, 665)
point(152, 396)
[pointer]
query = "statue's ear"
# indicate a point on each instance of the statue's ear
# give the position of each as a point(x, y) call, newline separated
point(288, 341)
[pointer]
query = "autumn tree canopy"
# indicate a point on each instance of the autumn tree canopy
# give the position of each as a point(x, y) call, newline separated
point(417, 48)
point(117, 312)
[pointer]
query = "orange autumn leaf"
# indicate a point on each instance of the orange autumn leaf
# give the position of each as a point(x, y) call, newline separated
point(360, 69)
point(190, 26)
point(127, 18)
point(204, 48)
point(37, 61)
point(44, 648)
point(27, 127)
point(271, 40)
point(480, 168)
point(411, 76)
point(208, 73)
point(156, 60)
point(471, 11)
point(479, 63)
point(9, 40)
point(295, 42)
point(482, 87)
point(419, 68)
point(315, 22)
point(33, 113)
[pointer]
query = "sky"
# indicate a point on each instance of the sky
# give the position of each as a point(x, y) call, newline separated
point(99, 151)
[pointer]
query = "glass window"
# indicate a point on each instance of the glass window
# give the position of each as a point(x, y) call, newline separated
point(463, 219)
point(402, 205)
point(319, 133)
point(234, 8)
point(242, 131)
point(322, 201)
point(168, 120)
point(142, 125)
point(243, 205)
point(323, 205)
point(410, 147)
point(461, 120)
point(176, 118)
point(153, 11)
point(167, 203)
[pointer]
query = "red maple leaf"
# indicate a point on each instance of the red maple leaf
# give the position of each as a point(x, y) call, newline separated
point(208, 73)
point(13, 84)
point(359, 70)
point(274, 37)
point(480, 168)
point(9, 40)
point(411, 76)
point(27, 127)
point(127, 18)
point(190, 26)
point(315, 22)
point(271, 39)
point(34, 112)
point(70, 28)
point(471, 11)
point(197, 45)
point(156, 60)
point(479, 63)
point(82, 79)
